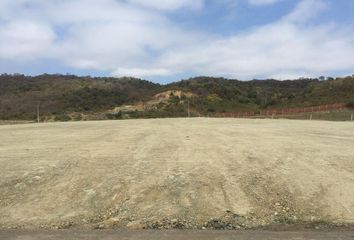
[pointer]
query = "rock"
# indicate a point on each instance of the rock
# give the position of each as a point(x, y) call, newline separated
point(20, 185)
point(36, 177)
point(216, 224)
point(136, 225)
point(111, 222)
point(65, 225)
point(180, 225)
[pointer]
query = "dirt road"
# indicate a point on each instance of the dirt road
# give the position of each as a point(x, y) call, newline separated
point(176, 173)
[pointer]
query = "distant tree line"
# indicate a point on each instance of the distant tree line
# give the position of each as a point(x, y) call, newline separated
point(67, 97)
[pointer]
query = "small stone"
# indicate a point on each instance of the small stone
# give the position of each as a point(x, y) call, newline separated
point(36, 177)
point(111, 222)
point(136, 225)
point(20, 185)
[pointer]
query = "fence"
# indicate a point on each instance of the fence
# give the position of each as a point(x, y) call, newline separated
point(284, 111)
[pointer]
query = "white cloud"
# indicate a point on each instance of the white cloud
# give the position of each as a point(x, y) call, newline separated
point(263, 2)
point(100, 35)
point(306, 10)
point(286, 48)
point(277, 49)
point(25, 40)
point(125, 38)
point(141, 72)
point(169, 4)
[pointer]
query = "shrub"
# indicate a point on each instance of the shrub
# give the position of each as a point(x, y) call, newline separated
point(113, 116)
point(350, 105)
point(77, 117)
point(62, 117)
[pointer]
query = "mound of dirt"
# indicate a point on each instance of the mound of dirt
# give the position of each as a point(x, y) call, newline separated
point(176, 174)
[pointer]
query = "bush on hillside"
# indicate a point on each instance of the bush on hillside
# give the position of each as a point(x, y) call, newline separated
point(350, 105)
point(62, 117)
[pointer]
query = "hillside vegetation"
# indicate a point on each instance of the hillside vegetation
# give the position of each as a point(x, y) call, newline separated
point(69, 97)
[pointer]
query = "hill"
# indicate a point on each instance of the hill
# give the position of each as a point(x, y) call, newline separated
point(60, 95)
point(69, 97)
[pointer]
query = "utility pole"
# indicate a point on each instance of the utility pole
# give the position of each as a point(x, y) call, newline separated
point(38, 112)
point(189, 113)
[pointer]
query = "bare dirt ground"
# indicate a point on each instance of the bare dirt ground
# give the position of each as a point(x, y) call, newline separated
point(176, 173)
point(174, 235)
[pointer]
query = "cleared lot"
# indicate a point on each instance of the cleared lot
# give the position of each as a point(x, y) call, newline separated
point(176, 173)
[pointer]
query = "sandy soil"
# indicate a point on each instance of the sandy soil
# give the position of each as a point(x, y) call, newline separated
point(174, 235)
point(176, 173)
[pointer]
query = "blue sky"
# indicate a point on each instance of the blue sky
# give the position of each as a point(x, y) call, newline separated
point(166, 40)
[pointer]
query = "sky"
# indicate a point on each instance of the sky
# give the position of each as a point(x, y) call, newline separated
point(169, 40)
